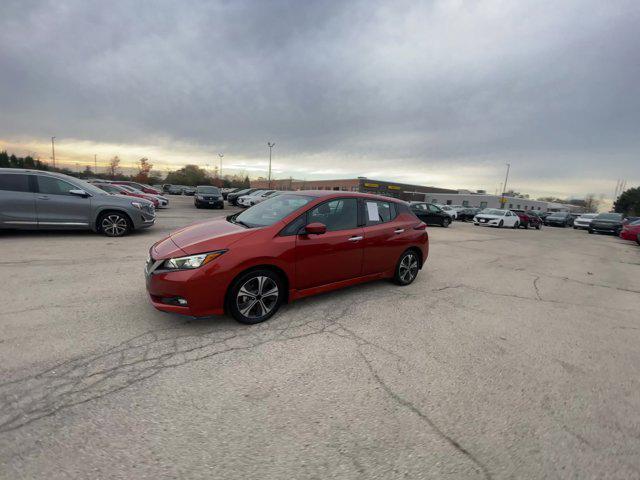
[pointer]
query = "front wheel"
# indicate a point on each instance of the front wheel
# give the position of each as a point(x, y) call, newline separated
point(538, 226)
point(114, 224)
point(446, 222)
point(501, 224)
point(256, 296)
point(590, 231)
point(516, 225)
point(407, 268)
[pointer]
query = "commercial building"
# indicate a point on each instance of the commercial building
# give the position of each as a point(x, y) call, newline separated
point(481, 199)
point(361, 184)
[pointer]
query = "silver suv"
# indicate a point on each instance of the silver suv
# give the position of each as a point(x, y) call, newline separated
point(34, 199)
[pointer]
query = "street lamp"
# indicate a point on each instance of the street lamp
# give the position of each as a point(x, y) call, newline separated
point(53, 152)
point(504, 188)
point(221, 155)
point(270, 145)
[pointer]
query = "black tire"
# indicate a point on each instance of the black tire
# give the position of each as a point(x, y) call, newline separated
point(501, 224)
point(638, 239)
point(407, 268)
point(526, 226)
point(516, 225)
point(250, 308)
point(538, 226)
point(446, 222)
point(114, 224)
point(590, 231)
point(197, 206)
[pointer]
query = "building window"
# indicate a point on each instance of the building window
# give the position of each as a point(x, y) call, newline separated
point(518, 206)
point(354, 189)
point(483, 204)
point(434, 200)
point(511, 205)
point(448, 202)
point(465, 203)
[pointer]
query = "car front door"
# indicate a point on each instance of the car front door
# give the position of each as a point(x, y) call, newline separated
point(420, 210)
point(384, 239)
point(17, 201)
point(334, 255)
point(56, 207)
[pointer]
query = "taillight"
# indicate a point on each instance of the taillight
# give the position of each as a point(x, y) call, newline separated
point(420, 226)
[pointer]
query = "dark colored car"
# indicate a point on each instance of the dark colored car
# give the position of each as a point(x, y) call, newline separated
point(607, 223)
point(207, 196)
point(631, 231)
point(127, 190)
point(232, 198)
point(467, 213)
point(173, 189)
point(430, 214)
point(225, 193)
point(528, 219)
point(36, 200)
point(559, 219)
point(285, 248)
point(186, 190)
point(629, 220)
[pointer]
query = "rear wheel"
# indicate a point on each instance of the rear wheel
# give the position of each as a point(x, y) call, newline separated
point(256, 296)
point(538, 226)
point(638, 239)
point(407, 268)
point(114, 224)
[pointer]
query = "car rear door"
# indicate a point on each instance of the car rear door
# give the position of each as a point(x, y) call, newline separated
point(383, 236)
point(57, 208)
point(17, 201)
point(335, 255)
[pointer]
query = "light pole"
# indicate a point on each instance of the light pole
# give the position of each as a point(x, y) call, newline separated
point(220, 171)
point(53, 152)
point(95, 163)
point(504, 188)
point(270, 145)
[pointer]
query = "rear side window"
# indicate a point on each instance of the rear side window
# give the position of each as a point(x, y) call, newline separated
point(54, 186)
point(376, 212)
point(14, 182)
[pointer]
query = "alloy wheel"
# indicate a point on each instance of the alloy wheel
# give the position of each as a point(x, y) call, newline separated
point(114, 225)
point(408, 268)
point(257, 297)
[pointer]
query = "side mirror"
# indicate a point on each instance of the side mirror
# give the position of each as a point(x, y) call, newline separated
point(315, 228)
point(79, 192)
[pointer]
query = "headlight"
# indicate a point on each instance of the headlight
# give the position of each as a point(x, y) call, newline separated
point(137, 205)
point(190, 262)
point(199, 197)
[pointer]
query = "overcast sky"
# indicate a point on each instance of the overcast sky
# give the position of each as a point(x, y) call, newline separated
point(438, 92)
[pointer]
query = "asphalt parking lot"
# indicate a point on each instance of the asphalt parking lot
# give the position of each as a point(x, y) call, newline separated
point(515, 354)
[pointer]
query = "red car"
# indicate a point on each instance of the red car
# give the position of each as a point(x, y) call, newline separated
point(138, 186)
point(528, 219)
point(631, 232)
point(123, 190)
point(285, 248)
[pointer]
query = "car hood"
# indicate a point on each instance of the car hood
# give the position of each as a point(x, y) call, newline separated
point(489, 216)
point(603, 221)
point(208, 236)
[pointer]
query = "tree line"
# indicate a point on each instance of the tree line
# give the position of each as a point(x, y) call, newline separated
point(191, 175)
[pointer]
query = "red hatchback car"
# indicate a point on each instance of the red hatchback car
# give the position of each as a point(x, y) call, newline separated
point(631, 232)
point(285, 248)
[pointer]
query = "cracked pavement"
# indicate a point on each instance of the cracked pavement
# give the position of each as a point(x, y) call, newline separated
point(514, 355)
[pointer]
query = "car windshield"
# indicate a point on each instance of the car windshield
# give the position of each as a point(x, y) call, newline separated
point(558, 215)
point(492, 211)
point(589, 215)
point(609, 216)
point(108, 188)
point(208, 190)
point(272, 210)
point(129, 188)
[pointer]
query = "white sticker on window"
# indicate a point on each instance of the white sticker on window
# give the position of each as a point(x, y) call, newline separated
point(372, 211)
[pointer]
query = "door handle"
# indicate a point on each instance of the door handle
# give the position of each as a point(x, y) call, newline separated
point(400, 230)
point(355, 239)
point(43, 197)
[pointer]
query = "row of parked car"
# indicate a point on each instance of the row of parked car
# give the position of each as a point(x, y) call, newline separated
point(133, 189)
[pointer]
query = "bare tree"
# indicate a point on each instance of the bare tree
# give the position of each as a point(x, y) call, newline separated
point(114, 166)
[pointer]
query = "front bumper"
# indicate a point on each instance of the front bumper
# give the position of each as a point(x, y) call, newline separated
point(204, 289)
point(143, 218)
point(605, 228)
point(209, 203)
point(488, 223)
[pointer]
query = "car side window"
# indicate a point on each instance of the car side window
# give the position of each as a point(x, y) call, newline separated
point(294, 227)
point(13, 182)
point(434, 209)
point(419, 207)
point(339, 214)
point(377, 212)
point(54, 186)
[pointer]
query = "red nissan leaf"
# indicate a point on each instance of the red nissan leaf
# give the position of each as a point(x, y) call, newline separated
point(285, 248)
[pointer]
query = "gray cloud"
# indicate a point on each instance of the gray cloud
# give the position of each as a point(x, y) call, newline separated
point(551, 87)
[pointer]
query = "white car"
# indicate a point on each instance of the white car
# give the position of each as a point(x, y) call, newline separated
point(584, 221)
point(449, 210)
point(254, 197)
point(493, 217)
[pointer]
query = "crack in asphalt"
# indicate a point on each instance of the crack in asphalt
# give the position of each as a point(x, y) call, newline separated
point(481, 468)
point(535, 286)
